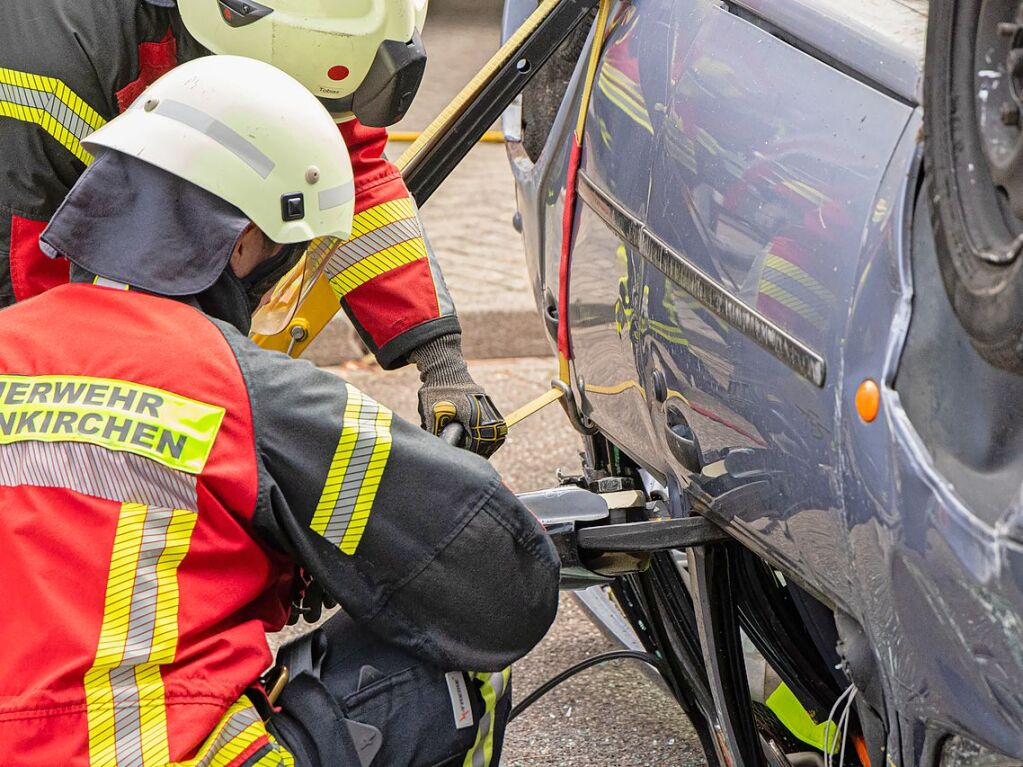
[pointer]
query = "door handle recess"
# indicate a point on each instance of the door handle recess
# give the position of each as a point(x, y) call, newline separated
point(682, 440)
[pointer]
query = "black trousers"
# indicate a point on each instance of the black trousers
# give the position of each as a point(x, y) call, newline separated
point(355, 701)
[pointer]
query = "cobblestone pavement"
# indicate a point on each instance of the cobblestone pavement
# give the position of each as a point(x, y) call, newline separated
point(610, 715)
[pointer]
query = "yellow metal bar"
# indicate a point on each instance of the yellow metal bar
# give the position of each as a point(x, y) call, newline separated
point(410, 136)
point(458, 104)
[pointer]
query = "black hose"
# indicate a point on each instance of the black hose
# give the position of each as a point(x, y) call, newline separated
point(550, 684)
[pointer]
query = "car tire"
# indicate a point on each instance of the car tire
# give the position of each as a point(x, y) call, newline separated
point(978, 235)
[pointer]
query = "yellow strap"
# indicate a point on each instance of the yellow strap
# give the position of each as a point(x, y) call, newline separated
point(534, 406)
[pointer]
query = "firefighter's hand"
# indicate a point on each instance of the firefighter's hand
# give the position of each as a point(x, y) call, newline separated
point(449, 394)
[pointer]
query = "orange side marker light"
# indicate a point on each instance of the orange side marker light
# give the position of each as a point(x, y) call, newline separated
point(868, 400)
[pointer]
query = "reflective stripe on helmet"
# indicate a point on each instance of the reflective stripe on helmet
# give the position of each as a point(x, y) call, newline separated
point(206, 124)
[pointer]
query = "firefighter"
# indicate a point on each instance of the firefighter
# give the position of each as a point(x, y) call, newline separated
point(161, 476)
point(67, 67)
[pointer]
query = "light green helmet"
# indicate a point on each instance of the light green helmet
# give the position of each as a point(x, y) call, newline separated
point(360, 56)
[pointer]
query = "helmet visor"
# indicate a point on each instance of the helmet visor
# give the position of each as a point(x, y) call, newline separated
point(278, 306)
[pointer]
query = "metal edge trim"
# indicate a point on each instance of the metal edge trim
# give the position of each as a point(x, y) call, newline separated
point(769, 336)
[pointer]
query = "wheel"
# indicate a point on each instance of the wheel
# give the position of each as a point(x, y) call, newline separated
point(973, 92)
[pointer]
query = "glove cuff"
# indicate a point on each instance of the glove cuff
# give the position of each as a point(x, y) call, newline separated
point(441, 363)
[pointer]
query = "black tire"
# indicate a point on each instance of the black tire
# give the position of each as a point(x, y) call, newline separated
point(973, 219)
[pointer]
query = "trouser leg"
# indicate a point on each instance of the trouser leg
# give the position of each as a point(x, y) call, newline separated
point(360, 701)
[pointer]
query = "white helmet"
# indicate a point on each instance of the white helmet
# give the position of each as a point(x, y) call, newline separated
point(360, 56)
point(253, 136)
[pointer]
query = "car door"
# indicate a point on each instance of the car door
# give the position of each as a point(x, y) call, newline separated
point(764, 178)
point(607, 276)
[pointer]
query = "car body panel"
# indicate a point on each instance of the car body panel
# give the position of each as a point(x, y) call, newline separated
point(749, 207)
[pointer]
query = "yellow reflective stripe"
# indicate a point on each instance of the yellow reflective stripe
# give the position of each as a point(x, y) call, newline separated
point(790, 301)
point(380, 215)
point(636, 112)
point(376, 264)
point(99, 694)
point(356, 469)
point(237, 731)
point(494, 687)
point(338, 467)
point(99, 702)
point(124, 689)
point(119, 415)
point(370, 484)
point(49, 103)
point(802, 277)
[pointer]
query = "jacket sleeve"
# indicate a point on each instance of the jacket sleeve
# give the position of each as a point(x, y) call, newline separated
point(386, 278)
point(418, 541)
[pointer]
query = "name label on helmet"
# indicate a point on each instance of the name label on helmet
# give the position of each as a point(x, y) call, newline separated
point(119, 415)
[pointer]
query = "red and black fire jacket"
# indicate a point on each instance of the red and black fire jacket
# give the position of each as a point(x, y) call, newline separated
point(161, 477)
point(66, 67)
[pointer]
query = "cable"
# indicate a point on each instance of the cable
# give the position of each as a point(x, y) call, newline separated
point(829, 742)
point(550, 684)
point(845, 727)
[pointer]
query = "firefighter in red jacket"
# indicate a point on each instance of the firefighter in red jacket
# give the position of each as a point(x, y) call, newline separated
point(161, 476)
point(67, 67)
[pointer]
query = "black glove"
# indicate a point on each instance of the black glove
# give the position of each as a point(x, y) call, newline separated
point(449, 394)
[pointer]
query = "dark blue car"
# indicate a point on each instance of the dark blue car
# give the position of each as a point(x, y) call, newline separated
point(752, 290)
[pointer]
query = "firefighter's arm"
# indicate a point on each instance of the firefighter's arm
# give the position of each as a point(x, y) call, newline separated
point(420, 542)
point(386, 278)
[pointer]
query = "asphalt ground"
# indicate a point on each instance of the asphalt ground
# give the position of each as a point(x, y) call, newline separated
point(614, 714)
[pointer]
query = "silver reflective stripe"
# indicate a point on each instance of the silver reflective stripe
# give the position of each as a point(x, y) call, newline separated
point(479, 755)
point(49, 103)
point(336, 197)
point(104, 282)
point(373, 241)
point(142, 618)
point(355, 473)
point(127, 716)
point(96, 471)
point(497, 682)
point(227, 137)
point(478, 758)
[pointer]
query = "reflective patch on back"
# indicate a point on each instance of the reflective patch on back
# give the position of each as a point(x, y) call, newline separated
point(118, 415)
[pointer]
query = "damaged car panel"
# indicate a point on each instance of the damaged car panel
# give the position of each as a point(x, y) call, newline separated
point(751, 245)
